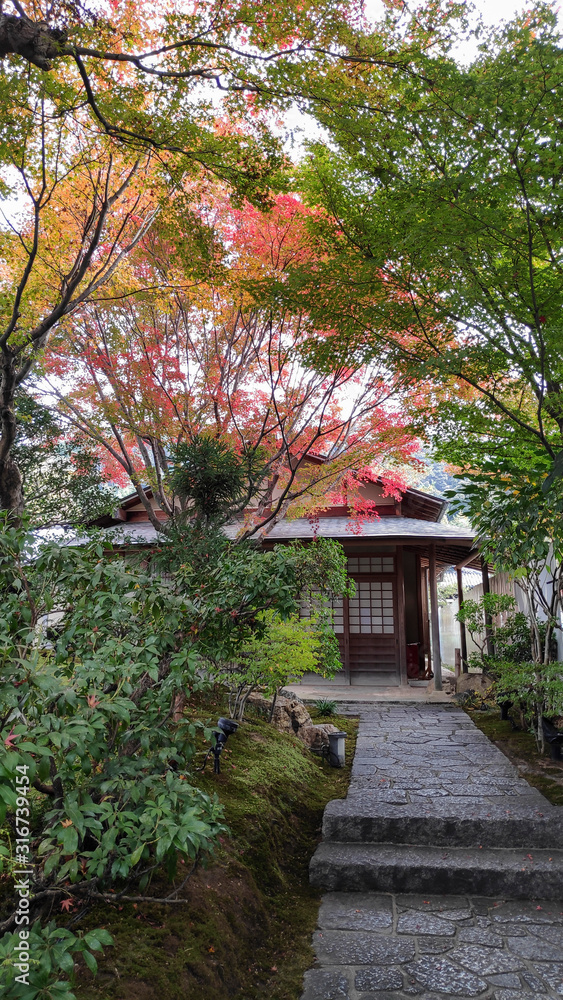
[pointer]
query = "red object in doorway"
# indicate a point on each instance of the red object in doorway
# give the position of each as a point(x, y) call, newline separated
point(413, 665)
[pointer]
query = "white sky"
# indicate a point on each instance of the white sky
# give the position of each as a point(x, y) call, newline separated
point(492, 12)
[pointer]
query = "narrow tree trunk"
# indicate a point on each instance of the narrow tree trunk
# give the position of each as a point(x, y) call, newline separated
point(11, 484)
point(273, 705)
point(540, 738)
point(11, 490)
point(244, 700)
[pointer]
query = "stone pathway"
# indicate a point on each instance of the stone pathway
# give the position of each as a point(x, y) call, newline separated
point(372, 946)
point(434, 807)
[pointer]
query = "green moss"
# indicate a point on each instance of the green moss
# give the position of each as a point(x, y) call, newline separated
point(520, 747)
point(245, 928)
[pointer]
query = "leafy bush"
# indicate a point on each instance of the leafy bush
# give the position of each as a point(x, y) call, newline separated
point(96, 649)
point(474, 614)
point(537, 689)
point(50, 951)
point(513, 641)
point(284, 651)
point(86, 721)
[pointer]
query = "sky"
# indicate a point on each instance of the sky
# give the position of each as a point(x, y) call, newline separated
point(492, 11)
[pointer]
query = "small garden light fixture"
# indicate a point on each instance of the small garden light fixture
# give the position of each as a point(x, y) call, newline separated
point(337, 749)
point(225, 727)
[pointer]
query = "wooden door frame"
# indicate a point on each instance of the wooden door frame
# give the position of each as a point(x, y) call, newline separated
point(401, 623)
point(346, 622)
point(400, 656)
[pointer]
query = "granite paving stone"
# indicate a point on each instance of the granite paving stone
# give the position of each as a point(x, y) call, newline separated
point(532, 947)
point(325, 984)
point(505, 979)
point(480, 935)
point(512, 995)
point(356, 911)
point(526, 912)
point(415, 922)
point(432, 903)
point(552, 975)
point(551, 933)
point(485, 961)
point(439, 974)
point(533, 982)
point(434, 945)
point(429, 767)
point(364, 948)
point(378, 978)
point(513, 930)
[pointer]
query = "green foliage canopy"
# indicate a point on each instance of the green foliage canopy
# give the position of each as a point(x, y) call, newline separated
point(444, 187)
point(62, 480)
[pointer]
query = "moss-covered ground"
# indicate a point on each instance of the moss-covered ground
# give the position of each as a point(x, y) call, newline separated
point(245, 929)
point(519, 746)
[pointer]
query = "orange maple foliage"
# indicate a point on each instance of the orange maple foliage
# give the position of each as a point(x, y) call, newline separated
point(220, 356)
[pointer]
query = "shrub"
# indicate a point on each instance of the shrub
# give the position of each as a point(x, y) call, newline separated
point(326, 706)
point(89, 720)
point(284, 651)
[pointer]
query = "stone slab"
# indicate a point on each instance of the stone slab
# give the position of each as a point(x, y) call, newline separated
point(397, 867)
point(382, 817)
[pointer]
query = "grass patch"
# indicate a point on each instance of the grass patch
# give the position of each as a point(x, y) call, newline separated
point(245, 930)
point(520, 748)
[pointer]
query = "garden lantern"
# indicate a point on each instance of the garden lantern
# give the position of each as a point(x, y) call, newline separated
point(337, 749)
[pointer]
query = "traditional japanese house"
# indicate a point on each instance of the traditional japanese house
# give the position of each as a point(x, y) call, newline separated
point(389, 631)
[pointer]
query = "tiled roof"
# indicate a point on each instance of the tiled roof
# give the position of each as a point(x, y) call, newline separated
point(383, 527)
point(143, 532)
point(470, 577)
point(140, 532)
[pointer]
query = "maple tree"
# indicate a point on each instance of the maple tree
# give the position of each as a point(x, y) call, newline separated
point(180, 76)
point(80, 209)
point(217, 358)
point(197, 84)
point(444, 257)
point(445, 249)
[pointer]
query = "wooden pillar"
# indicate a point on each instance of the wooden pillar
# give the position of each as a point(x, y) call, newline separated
point(401, 625)
point(488, 619)
point(346, 620)
point(462, 632)
point(434, 621)
point(419, 621)
point(425, 621)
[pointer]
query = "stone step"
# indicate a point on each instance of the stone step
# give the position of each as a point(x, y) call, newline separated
point(520, 821)
point(510, 874)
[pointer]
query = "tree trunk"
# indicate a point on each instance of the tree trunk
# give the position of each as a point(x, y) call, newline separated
point(11, 490)
point(34, 41)
point(273, 705)
point(11, 484)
